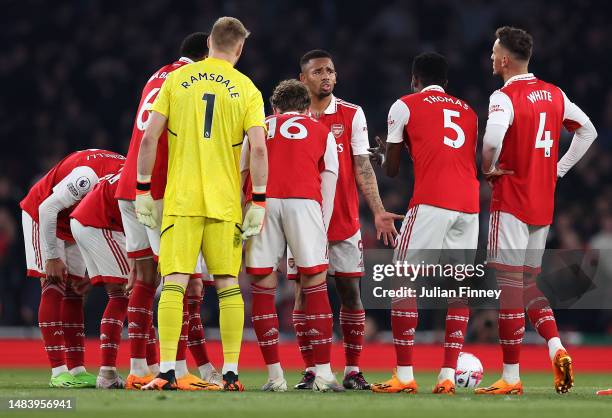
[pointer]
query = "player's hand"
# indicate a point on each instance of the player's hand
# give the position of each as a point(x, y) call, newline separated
point(145, 209)
point(377, 153)
point(496, 173)
point(253, 220)
point(56, 270)
point(385, 226)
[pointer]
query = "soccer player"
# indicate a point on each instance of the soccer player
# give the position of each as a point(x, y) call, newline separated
point(143, 242)
point(347, 123)
point(54, 258)
point(207, 106)
point(440, 131)
point(520, 153)
point(303, 170)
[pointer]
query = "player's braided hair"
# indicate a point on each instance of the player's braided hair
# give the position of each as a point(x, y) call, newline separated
point(290, 95)
point(518, 41)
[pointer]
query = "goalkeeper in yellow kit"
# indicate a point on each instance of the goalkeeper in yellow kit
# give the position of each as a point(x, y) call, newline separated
point(206, 107)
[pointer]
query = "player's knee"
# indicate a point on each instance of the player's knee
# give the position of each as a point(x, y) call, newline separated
point(350, 296)
point(146, 271)
point(195, 287)
point(114, 288)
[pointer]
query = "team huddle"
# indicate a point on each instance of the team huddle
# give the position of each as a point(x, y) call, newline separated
point(207, 172)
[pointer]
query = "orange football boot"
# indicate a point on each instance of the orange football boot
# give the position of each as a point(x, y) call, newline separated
point(191, 382)
point(394, 385)
point(563, 371)
point(134, 382)
point(445, 387)
point(501, 388)
point(159, 384)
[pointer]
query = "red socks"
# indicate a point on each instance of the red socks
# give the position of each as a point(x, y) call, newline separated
point(152, 350)
point(111, 327)
point(301, 328)
point(319, 320)
point(265, 322)
point(73, 327)
point(196, 341)
point(404, 318)
point(353, 332)
point(50, 322)
point(511, 316)
point(140, 318)
point(456, 325)
point(538, 309)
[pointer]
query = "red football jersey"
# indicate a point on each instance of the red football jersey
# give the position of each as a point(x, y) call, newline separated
point(100, 208)
point(297, 148)
point(441, 133)
point(347, 123)
point(534, 115)
point(127, 183)
point(100, 161)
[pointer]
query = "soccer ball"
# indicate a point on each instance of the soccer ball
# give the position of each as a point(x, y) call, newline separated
point(469, 371)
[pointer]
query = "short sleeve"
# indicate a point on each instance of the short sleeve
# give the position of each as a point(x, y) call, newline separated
point(573, 116)
point(398, 118)
point(245, 155)
point(501, 111)
point(162, 101)
point(330, 158)
point(359, 133)
point(255, 115)
point(75, 185)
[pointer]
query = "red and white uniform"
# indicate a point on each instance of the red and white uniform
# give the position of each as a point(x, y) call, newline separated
point(348, 125)
point(300, 149)
point(47, 207)
point(143, 242)
point(530, 113)
point(441, 133)
point(98, 231)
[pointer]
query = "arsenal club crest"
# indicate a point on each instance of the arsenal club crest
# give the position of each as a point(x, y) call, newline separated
point(337, 129)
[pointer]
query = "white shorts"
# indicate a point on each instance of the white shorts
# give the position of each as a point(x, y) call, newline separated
point(293, 223)
point(104, 253)
point(141, 241)
point(35, 252)
point(513, 245)
point(345, 258)
point(427, 230)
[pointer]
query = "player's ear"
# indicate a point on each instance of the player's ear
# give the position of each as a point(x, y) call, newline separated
point(208, 42)
point(302, 77)
point(239, 49)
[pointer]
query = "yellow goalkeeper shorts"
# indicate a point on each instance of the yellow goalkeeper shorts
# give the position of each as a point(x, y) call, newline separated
point(182, 238)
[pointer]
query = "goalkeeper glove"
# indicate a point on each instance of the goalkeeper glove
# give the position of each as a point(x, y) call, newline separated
point(253, 220)
point(145, 207)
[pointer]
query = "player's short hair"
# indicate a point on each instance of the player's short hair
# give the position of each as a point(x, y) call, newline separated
point(290, 95)
point(314, 54)
point(194, 46)
point(430, 68)
point(518, 41)
point(227, 32)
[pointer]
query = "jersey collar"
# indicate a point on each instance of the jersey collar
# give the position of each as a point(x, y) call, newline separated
point(519, 77)
point(185, 59)
point(433, 87)
point(333, 104)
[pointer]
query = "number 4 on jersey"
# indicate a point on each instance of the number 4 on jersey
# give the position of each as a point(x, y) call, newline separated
point(547, 142)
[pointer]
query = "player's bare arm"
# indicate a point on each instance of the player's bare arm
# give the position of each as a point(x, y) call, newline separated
point(491, 149)
point(393, 153)
point(366, 180)
point(258, 168)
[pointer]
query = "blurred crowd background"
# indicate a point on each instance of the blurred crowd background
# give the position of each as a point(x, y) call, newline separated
point(73, 71)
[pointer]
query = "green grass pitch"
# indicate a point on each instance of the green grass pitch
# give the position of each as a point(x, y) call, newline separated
point(539, 400)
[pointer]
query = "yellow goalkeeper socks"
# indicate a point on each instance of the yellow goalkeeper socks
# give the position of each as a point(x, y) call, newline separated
point(231, 322)
point(169, 323)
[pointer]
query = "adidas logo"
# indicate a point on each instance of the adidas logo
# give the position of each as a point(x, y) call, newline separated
point(271, 332)
point(58, 333)
point(133, 325)
point(103, 337)
point(197, 327)
point(519, 331)
point(186, 322)
point(80, 334)
point(408, 332)
point(356, 332)
point(456, 334)
point(313, 332)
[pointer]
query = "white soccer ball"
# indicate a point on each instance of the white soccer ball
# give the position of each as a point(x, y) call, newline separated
point(469, 371)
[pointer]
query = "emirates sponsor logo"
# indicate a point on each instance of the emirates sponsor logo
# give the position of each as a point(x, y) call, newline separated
point(337, 129)
point(271, 332)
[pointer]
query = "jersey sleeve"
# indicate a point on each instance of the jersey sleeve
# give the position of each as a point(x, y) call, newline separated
point(573, 116)
point(501, 111)
point(330, 158)
point(245, 155)
point(359, 133)
point(162, 101)
point(255, 115)
point(398, 118)
point(75, 185)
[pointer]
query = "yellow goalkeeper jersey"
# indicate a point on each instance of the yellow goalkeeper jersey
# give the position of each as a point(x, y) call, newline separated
point(209, 106)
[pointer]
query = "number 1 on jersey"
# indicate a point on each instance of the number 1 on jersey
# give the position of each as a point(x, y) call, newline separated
point(208, 113)
point(547, 142)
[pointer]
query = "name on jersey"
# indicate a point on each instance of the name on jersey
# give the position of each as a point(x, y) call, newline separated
point(539, 95)
point(104, 155)
point(217, 78)
point(445, 99)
